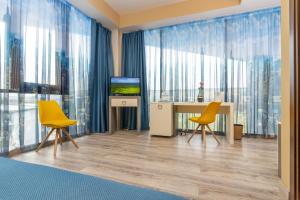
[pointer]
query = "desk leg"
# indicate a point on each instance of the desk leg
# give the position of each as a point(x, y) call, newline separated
point(112, 120)
point(175, 125)
point(138, 118)
point(230, 127)
point(118, 118)
point(109, 120)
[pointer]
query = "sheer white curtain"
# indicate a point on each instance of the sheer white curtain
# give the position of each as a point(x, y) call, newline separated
point(44, 54)
point(238, 55)
point(79, 66)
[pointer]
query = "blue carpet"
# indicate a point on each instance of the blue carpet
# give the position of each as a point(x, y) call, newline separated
point(20, 180)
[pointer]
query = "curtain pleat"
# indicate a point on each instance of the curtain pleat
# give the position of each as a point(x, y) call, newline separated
point(101, 71)
point(134, 65)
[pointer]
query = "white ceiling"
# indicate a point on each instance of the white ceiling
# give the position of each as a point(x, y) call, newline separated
point(128, 6)
point(136, 5)
point(245, 6)
point(87, 8)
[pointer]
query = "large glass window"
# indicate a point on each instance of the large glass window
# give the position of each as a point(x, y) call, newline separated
point(238, 56)
point(44, 54)
point(2, 53)
point(39, 55)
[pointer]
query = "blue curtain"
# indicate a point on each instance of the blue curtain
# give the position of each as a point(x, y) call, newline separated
point(45, 49)
point(237, 55)
point(101, 71)
point(134, 65)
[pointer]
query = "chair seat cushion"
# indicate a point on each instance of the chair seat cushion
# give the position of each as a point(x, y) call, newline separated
point(199, 120)
point(59, 123)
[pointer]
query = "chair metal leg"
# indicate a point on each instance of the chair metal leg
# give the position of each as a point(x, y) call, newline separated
point(203, 135)
point(194, 132)
point(213, 134)
point(55, 142)
point(69, 137)
point(44, 140)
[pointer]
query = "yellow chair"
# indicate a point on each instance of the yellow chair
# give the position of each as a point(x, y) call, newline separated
point(207, 117)
point(52, 116)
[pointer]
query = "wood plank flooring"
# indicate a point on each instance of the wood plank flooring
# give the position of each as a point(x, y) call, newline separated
point(246, 170)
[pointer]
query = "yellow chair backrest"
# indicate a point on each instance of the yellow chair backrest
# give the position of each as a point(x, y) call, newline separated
point(210, 112)
point(49, 111)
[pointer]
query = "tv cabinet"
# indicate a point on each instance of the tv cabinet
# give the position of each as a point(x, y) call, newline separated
point(117, 102)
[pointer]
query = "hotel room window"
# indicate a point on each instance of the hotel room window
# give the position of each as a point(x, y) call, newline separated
point(40, 57)
point(237, 55)
point(44, 54)
point(39, 51)
point(2, 53)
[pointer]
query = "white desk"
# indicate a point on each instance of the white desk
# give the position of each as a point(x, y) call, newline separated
point(194, 107)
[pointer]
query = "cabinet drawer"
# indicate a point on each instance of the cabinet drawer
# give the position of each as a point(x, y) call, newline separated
point(124, 102)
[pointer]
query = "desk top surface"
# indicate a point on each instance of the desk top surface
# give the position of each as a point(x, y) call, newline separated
point(195, 103)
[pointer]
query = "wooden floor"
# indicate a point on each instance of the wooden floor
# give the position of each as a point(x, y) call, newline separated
point(246, 170)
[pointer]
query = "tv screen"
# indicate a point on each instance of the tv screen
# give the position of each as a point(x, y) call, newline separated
point(125, 86)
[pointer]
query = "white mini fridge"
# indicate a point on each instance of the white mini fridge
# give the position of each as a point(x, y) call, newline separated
point(161, 119)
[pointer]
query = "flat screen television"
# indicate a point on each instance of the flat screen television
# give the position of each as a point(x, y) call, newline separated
point(125, 86)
